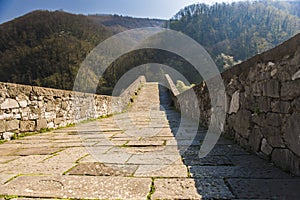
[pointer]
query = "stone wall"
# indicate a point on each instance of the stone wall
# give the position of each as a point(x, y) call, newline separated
point(263, 95)
point(26, 108)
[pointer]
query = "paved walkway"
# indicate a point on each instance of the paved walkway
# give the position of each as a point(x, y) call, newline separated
point(139, 154)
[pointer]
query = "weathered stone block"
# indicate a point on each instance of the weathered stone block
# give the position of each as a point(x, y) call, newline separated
point(9, 103)
point(50, 125)
point(292, 133)
point(280, 107)
point(265, 147)
point(64, 105)
point(23, 103)
point(50, 106)
point(274, 72)
point(58, 121)
point(7, 135)
point(35, 110)
point(40, 91)
point(27, 126)
point(26, 90)
point(271, 88)
point(50, 115)
point(286, 160)
point(12, 125)
point(242, 122)
point(255, 138)
point(2, 126)
point(290, 89)
point(41, 123)
point(296, 75)
point(263, 104)
point(273, 119)
point(248, 102)
point(259, 119)
point(12, 90)
point(257, 89)
point(8, 116)
point(296, 105)
point(235, 103)
point(276, 141)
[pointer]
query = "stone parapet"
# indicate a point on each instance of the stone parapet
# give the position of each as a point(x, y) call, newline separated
point(26, 108)
point(263, 98)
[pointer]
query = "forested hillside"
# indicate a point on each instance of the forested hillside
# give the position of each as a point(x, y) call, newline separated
point(46, 48)
point(237, 31)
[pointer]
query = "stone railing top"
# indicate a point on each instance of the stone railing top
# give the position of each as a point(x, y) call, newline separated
point(171, 85)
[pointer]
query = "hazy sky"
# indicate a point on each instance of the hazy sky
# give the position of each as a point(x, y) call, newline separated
point(164, 9)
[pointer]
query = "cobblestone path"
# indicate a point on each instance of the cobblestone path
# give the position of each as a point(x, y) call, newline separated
point(138, 154)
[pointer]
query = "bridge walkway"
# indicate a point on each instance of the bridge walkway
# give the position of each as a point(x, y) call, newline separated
point(138, 154)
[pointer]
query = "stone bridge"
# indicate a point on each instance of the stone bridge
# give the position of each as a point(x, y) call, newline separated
point(145, 149)
point(137, 154)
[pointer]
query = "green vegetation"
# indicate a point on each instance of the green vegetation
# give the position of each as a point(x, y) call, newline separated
point(181, 87)
point(8, 197)
point(152, 189)
point(240, 30)
point(45, 48)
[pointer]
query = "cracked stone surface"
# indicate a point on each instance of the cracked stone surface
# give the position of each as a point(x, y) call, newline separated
point(89, 187)
point(137, 155)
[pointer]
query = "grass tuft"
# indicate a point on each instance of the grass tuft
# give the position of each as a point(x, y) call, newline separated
point(152, 189)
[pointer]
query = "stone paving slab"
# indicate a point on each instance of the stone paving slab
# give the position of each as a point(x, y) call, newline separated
point(183, 143)
point(35, 164)
point(100, 169)
point(134, 143)
point(32, 140)
point(165, 131)
point(228, 149)
point(64, 145)
point(6, 177)
point(85, 187)
point(88, 158)
point(36, 151)
point(148, 159)
point(7, 151)
point(6, 159)
point(110, 143)
point(97, 151)
point(265, 188)
point(45, 168)
point(236, 172)
point(175, 189)
point(208, 160)
point(166, 171)
point(213, 189)
point(112, 160)
point(136, 150)
point(69, 155)
point(26, 159)
point(13, 147)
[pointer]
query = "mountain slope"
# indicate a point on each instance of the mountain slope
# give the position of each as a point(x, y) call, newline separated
point(239, 29)
point(46, 48)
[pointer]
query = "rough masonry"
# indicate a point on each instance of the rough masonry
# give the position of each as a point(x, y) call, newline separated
point(263, 97)
point(26, 108)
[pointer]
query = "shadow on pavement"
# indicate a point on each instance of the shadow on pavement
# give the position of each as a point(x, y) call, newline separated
point(228, 171)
